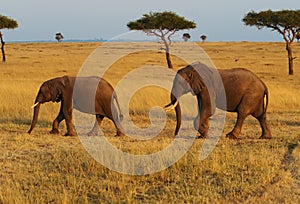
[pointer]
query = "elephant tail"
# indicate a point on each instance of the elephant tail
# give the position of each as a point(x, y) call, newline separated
point(119, 109)
point(266, 102)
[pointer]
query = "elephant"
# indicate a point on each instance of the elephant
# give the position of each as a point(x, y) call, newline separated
point(245, 94)
point(90, 88)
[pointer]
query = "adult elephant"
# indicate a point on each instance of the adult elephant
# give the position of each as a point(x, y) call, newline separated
point(245, 94)
point(87, 89)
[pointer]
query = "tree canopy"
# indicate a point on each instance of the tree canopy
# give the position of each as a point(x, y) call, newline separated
point(7, 23)
point(285, 22)
point(167, 20)
point(163, 25)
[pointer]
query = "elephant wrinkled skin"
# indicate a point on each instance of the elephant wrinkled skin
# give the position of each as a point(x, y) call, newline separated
point(87, 89)
point(245, 94)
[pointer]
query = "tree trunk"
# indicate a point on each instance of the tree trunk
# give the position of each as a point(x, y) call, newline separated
point(168, 57)
point(290, 58)
point(2, 48)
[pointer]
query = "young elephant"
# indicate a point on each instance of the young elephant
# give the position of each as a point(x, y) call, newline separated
point(245, 94)
point(87, 89)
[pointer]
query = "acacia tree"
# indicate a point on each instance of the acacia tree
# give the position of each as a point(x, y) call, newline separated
point(298, 36)
point(7, 23)
point(163, 25)
point(203, 38)
point(186, 37)
point(285, 22)
point(59, 37)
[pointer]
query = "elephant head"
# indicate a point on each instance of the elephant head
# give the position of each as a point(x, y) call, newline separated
point(51, 90)
point(197, 79)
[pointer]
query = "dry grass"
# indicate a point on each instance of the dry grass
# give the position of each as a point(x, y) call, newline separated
point(42, 168)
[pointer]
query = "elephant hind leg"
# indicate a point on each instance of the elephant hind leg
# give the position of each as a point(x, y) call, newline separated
point(95, 129)
point(238, 126)
point(119, 127)
point(266, 133)
point(261, 116)
point(113, 116)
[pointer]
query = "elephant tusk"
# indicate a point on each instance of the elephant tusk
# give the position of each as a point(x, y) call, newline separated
point(35, 104)
point(171, 106)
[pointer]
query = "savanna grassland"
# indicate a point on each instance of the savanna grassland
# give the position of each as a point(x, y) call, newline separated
point(45, 168)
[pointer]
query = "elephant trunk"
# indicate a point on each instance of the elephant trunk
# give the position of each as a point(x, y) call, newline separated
point(36, 107)
point(175, 104)
point(178, 118)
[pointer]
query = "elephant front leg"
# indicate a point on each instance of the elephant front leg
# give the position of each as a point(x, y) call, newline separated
point(69, 123)
point(56, 122)
point(201, 124)
point(205, 110)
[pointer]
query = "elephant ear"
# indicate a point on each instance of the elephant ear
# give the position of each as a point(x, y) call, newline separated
point(56, 87)
point(202, 77)
point(195, 80)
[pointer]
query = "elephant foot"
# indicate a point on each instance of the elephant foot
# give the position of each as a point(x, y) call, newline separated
point(54, 131)
point(203, 134)
point(231, 135)
point(70, 134)
point(265, 136)
point(200, 136)
point(92, 133)
point(119, 134)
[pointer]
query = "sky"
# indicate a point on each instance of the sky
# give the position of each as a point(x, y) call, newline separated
point(219, 20)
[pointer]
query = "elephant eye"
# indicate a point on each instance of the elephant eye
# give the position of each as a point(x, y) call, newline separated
point(48, 96)
point(43, 95)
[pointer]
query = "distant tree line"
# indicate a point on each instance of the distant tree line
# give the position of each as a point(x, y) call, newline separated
point(165, 24)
